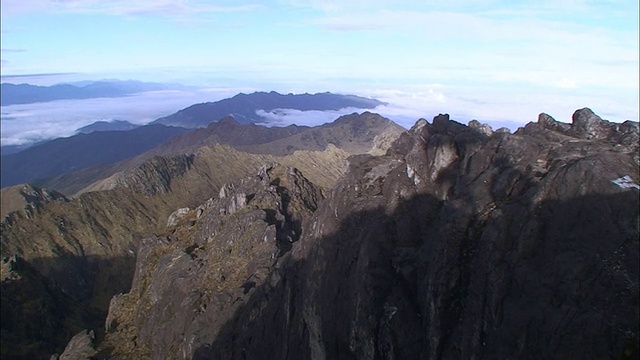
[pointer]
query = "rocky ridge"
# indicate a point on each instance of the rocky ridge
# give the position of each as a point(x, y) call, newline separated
point(350, 134)
point(457, 243)
point(224, 249)
point(27, 198)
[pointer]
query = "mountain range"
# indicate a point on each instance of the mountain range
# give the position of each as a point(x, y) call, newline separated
point(115, 125)
point(351, 134)
point(354, 239)
point(13, 94)
point(65, 155)
point(244, 107)
point(70, 164)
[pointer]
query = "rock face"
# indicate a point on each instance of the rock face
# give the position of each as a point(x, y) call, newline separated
point(27, 198)
point(189, 282)
point(81, 347)
point(455, 244)
point(154, 176)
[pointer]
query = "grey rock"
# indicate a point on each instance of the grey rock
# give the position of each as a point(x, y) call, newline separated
point(549, 123)
point(588, 125)
point(197, 281)
point(176, 216)
point(483, 128)
point(81, 347)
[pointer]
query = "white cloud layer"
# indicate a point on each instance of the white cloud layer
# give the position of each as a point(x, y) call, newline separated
point(29, 123)
point(284, 117)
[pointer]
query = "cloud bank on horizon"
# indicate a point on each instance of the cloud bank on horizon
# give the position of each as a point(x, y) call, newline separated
point(497, 61)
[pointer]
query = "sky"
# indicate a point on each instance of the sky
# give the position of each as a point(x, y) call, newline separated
point(501, 62)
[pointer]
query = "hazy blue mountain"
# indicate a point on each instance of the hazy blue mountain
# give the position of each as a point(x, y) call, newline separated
point(243, 107)
point(115, 125)
point(81, 151)
point(12, 94)
point(12, 149)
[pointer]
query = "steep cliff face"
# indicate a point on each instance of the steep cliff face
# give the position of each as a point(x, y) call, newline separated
point(457, 243)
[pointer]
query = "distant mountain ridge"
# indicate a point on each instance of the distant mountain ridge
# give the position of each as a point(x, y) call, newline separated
point(351, 134)
point(243, 107)
point(115, 125)
point(103, 148)
point(64, 155)
point(13, 94)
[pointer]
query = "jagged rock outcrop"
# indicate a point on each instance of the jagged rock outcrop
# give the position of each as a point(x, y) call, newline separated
point(455, 244)
point(27, 198)
point(190, 281)
point(81, 347)
point(587, 125)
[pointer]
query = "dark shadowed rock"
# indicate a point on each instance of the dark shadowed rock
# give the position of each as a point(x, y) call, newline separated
point(36, 313)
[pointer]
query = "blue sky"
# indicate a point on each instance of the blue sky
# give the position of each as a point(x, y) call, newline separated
point(502, 62)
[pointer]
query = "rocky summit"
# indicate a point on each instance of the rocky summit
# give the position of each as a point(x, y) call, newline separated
point(458, 243)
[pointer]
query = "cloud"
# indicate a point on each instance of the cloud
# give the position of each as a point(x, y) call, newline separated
point(285, 117)
point(152, 7)
point(497, 107)
point(485, 47)
point(171, 9)
point(18, 7)
point(29, 123)
point(36, 75)
point(25, 124)
point(496, 7)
